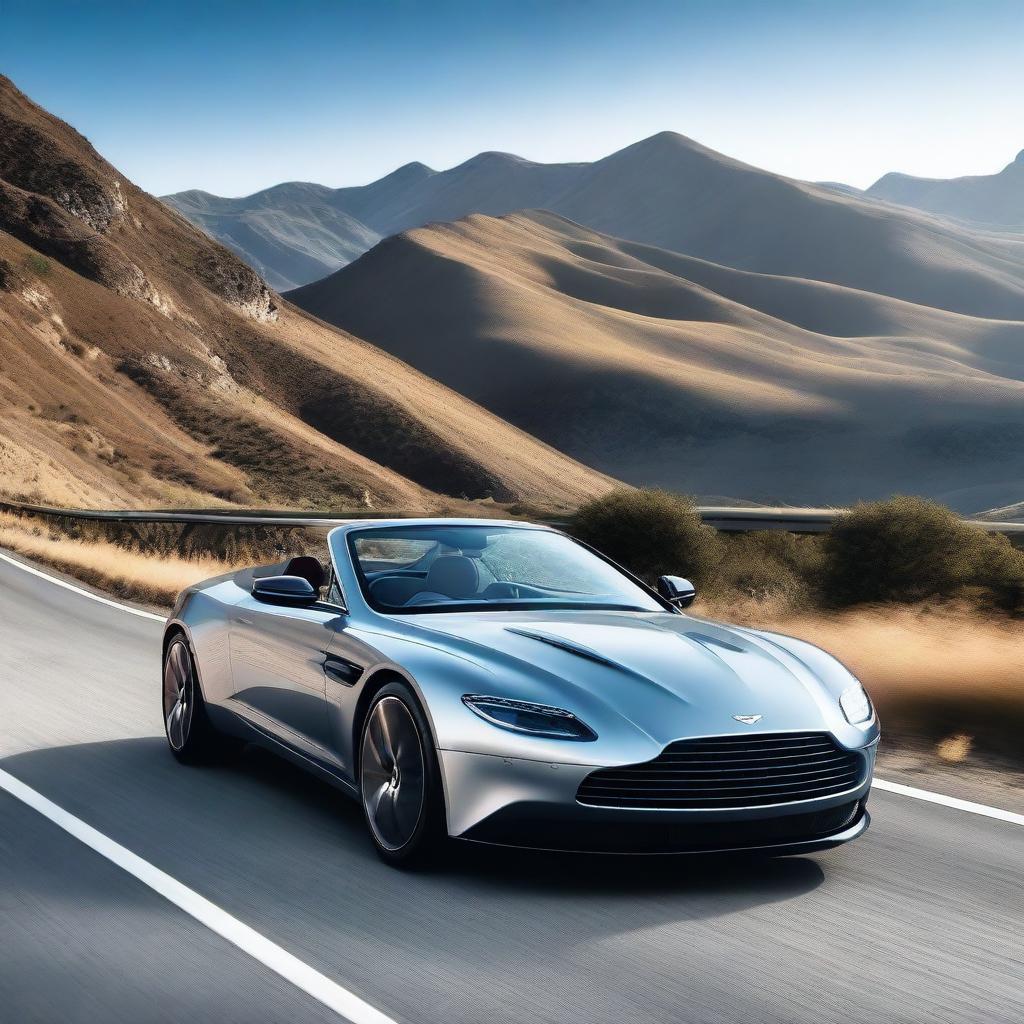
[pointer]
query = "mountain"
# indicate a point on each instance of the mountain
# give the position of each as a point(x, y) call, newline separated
point(991, 199)
point(673, 193)
point(661, 368)
point(290, 233)
point(141, 362)
point(841, 187)
point(296, 232)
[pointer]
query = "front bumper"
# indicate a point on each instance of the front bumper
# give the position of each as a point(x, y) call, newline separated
point(516, 802)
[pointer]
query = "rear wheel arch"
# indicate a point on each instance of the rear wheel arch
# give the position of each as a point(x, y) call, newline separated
point(173, 632)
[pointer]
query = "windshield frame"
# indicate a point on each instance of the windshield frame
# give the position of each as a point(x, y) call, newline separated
point(455, 607)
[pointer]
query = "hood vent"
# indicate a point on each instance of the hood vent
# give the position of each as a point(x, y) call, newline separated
point(565, 645)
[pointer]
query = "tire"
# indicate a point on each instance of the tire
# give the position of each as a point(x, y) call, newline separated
point(190, 736)
point(400, 781)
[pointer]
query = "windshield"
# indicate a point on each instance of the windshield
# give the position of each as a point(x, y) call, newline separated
point(473, 568)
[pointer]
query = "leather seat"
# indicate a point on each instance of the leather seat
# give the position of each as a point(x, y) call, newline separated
point(395, 590)
point(308, 568)
point(451, 576)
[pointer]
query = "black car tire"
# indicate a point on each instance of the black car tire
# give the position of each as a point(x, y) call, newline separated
point(190, 735)
point(401, 795)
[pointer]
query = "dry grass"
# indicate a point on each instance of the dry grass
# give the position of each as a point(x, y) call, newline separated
point(128, 574)
point(954, 749)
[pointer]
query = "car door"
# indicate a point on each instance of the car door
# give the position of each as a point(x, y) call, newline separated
point(277, 661)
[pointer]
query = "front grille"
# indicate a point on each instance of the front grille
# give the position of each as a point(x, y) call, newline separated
point(729, 771)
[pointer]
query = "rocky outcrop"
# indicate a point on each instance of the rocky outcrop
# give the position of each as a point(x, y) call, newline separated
point(227, 276)
point(41, 223)
point(34, 162)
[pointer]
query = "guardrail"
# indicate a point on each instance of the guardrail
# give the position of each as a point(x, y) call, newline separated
point(729, 519)
point(809, 520)
point(233, 517)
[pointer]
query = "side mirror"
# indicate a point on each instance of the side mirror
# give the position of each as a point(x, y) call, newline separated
point(678, 591)
point(287, 590)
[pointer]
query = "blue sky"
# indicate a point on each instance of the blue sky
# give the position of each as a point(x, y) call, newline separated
point(232, 97)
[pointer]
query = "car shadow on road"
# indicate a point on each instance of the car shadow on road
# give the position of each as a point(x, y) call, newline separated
point(259, 816)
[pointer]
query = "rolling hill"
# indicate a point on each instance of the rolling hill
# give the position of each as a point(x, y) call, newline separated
point(668, 191)
point(142, 363)
point(657, 367)
point(990, 199)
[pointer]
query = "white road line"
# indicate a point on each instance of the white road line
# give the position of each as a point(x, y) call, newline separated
point(289, 967)
point(79, 590)
point(949, 801)
point(890, 787)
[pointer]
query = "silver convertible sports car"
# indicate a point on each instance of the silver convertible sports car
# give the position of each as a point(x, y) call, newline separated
point(503, 683)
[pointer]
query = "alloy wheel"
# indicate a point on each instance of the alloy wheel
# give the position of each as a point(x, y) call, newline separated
point(392, 773)
point(179, 692)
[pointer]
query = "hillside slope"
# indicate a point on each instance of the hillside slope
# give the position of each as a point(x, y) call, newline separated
point(141, 362)
point(671, 192)
point(992, 199)
point(658, 367)
point(289, 234)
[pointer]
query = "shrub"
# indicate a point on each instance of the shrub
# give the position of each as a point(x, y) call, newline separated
point(909, 549)
point(38, 265)
point(651, 533)
point(770, 565)
point(1001, 572)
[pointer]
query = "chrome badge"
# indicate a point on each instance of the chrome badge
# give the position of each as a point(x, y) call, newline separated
point(748, 719)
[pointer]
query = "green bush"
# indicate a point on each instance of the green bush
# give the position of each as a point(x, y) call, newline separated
point(770, 564)
point(905, 550)
point(651, 533)
point(909, 549)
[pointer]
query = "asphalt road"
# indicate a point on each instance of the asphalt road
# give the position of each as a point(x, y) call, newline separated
point(920, 920)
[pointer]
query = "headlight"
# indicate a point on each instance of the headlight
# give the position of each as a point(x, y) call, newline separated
point(855, 704)
point(525, 716)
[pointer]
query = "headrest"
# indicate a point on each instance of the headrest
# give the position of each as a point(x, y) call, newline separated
point(395, 590)
point(309, 568)
point(454, 576)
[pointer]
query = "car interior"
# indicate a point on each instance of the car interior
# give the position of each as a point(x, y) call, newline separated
point(449, 577)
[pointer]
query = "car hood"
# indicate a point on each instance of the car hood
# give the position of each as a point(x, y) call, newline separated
point(666, 676)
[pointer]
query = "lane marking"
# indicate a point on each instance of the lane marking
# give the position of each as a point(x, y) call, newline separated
point(889, 787)
point(346, 1004)
point(949, 801)
point(79, 590)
